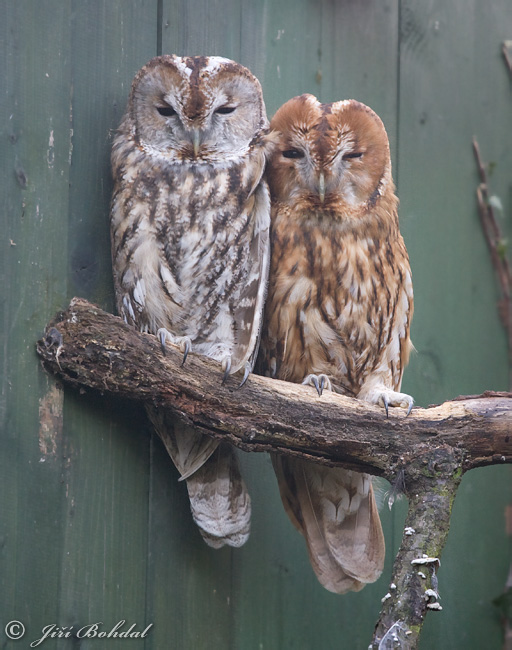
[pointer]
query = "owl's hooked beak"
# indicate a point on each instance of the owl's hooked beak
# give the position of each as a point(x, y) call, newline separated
point(321, 187)
point(196, 141)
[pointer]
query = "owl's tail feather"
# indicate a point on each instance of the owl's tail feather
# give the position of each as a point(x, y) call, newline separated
point(336, 512)
point(220, 503)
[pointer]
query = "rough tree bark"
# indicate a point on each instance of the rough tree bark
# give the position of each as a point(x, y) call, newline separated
point(427, 452)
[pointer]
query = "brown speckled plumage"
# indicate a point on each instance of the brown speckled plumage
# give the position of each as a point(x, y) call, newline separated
point(339, 305)
point(190, 245)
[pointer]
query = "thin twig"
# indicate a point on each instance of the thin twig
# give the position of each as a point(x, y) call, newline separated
point(494, 238)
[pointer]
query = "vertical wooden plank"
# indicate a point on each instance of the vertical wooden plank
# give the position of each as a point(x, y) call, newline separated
point(73, 517)
point(185, 576)
point(106, 475)
point(201, 27)
point(36, 141)
point(361, 61)
point(453, 85)
point(189, 584)
point(111, 41)
point(448, 86)
point(280, 44)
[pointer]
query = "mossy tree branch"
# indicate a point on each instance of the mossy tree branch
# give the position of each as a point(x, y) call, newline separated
point(429, 450)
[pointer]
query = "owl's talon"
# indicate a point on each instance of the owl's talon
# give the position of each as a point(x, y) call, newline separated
point(188, 345)
point(385, 403)
point(386, 397)
point(162, 335)
point(247, 372)
point(226, 366)
point(319, 382)
point(183, 343)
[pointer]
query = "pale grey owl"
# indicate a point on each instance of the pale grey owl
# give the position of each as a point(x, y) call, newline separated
point(339, 309)
point(190, 246)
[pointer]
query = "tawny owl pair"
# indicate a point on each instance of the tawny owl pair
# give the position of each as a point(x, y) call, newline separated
point(191, 242)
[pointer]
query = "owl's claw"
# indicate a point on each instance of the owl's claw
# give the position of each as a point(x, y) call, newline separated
point(385, 401)
point(188, 345)
point(392, 398)
point(319, 382)
point(226, 366)
point(162, 335)
point(183, 343)
point(247, 372)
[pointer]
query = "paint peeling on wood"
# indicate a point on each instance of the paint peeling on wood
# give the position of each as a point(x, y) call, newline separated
point(50, 421)
point(50, 154)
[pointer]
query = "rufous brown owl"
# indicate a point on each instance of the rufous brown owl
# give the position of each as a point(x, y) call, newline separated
point(338, 311)
point(190, 246)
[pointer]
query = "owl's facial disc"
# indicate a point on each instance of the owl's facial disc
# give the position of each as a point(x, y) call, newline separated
point(196, 109)
point(330, 157)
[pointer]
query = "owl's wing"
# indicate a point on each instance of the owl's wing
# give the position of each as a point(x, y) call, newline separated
point(188, 448)
point(383, 384)
point(248, 311)
point(336, 512)
point(404, 334)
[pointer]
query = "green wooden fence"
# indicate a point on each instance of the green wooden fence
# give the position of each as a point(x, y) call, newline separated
point(93, 523)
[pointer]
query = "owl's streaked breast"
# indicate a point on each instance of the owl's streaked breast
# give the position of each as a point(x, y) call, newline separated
point(338, 300)
point(188, 236)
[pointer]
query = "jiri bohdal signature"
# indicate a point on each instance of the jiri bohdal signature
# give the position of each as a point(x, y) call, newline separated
point(91, 631)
